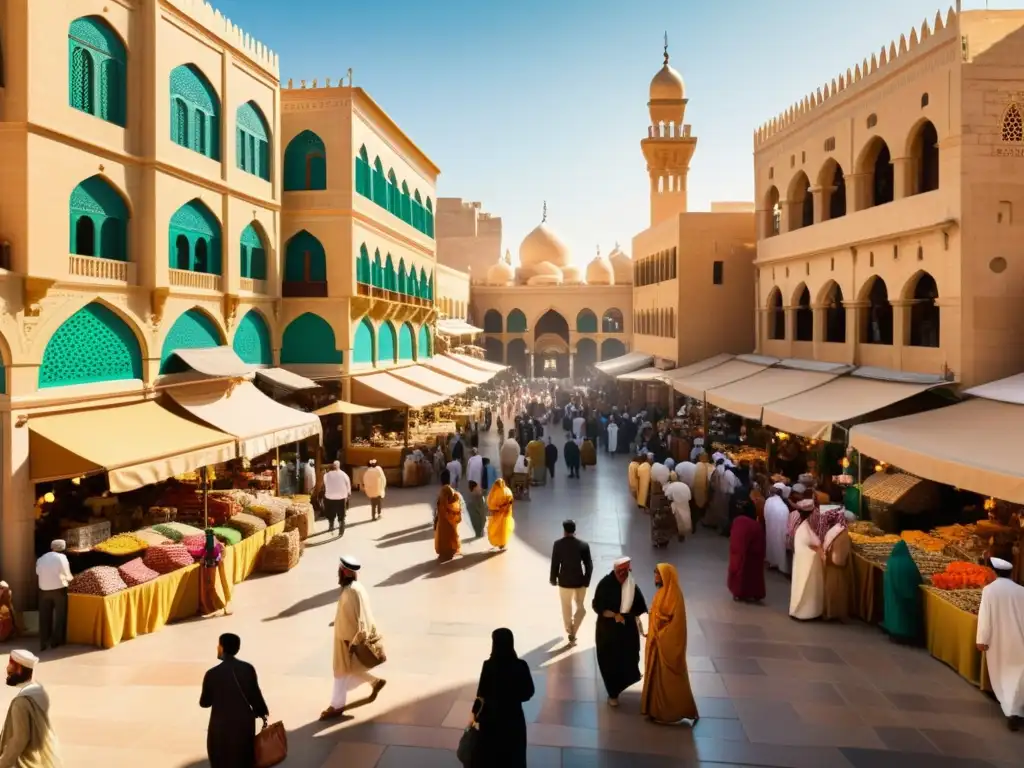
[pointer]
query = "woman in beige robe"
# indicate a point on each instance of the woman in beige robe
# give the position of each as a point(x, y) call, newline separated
point(699, 488)
point(838, 573)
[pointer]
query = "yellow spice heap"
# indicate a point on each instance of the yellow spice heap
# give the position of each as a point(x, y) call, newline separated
point(922, 540)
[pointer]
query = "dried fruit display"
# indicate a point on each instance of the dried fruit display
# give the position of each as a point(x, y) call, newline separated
point(167, 558)
point(968, 600)
point(152, 538)
point(922, 540)
point(169, 533)
point(953, 533)
point(269, 514)
point(885, 538)
point(100, 581)
point(929, 562)
point(122, 544)
point(959, 575)
point(136, 572)
point(865, 528)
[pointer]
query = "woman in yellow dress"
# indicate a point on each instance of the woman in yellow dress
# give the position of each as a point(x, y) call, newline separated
point(643, 475)
point(447, 543)
point(666, 697)
point(500, 524)
point(634, 480)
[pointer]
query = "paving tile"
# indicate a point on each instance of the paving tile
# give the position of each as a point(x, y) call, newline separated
point(719, 728)
point(905, 740)
point(872, 758)
point(914, 702)
point(820, 654)
point(738, 666)
point(405, 757)
point(355, 755)
point(752, 686)
point(710, 706)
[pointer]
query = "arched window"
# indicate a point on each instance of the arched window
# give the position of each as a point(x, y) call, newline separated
point(801, 202)
point(305, 267)
point(309, 340)
point(924, 312)
point(1011, 129)
point(612, 348)
point(98, 65)
point(586, 321)
point(492, 321)
point(194, 99)
point(194, 329)
point(388, 342)
point(412, 284)
point(835, 315)
point(772, 212)
point(876, 161)
point(305, 164)
point(194, 237)
point(364, 183)
point(253, 253)
point(252, 141)
point(425, 343)
point(515, 322)
point(394, 196)
point(417, 211)
point(99, 220)
point(804, 316)
point(363, 271)
point(403, 288)
point(380, 186)
point(776, 316)
point(377, 271)
point(252, 340)
point(427, 285)
point(925, 153)
point(878, 314)
point(406, 343)
point(833, 189)
point(390, 278)
point(428, 230)
point(92, 345)
point(406, 208)
point(364, 346)
point(611, 321)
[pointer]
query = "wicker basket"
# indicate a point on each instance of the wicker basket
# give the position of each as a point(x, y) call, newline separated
point(891, 497)
point(300, 520)
point(282, 553)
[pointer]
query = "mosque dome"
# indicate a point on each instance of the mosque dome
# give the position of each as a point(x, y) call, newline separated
point(601, 272)
point(500, 273)
point(543, 269)
point(543, 245)
point(572, 275)
point(545, 280)
point(668, 84)
point(622, 266)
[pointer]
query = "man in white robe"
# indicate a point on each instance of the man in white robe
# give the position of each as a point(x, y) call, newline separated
point(776, 524)
point(27, 741)
point(1001, 638)
point(578, 425)
point(507, 456)
point(475, 468)
point(678, 493)
point(353, 625)
point(613, 437)
point(309, 476)
point(807, 591)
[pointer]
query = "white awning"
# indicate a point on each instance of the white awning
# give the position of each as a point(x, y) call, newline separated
point(428, 378)
point(689, 370)
point(631, 361)
point(215, 362)
point(473, 362)
point(644, 374)
point(698, 383)
point(279, 377)
point(257, 422)
point(457, 327)
point(341, 407)
point(382, 390)
point(454, 369)
point(747, 396)
point(1008, 390)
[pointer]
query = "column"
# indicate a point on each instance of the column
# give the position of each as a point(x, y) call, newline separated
point(529, 363)
point(950, 340)
point(818, 327)
point(17, 545)
point(820, 202)
point(854, 330)
point(903, 182)
point(856, 191)
point(900, 329)
point(790, 311)
point(572, 366)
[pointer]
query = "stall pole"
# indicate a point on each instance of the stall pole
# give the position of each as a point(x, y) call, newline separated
point(704, 415)
point(277, 471)
point(206, 498)
point(406, 427)
point(319, 463)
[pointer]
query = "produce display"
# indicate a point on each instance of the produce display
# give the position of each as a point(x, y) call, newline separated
point(282, 553)
point(152, 538)
point(170, 533)
point(922, 540)
point(196, 546)
point(865, 528)
point(929, 563)
point(183, 529)
point(299, 517)
point(271, 514)
point(168, 558)
point(958, 575)
point(136, 572)
point(99, 581)
point(246, 524)
point(968, 600)
point(954, 533)
point(229, 536)
point(122, 544)
point(875, 553)
point(863, 538)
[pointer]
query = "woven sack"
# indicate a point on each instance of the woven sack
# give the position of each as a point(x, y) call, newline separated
point(168, 558)
point(229, 536)
point(282, 553)
point(100, 581)
point(136, 572)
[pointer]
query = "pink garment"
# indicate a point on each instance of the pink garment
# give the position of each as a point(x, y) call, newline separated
point(794, 523)
point(822, 520)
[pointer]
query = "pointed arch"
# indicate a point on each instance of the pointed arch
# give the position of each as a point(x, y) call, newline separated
point(364, 345)
point(406, 342)
point(95, 344)
point(394, 196)
point(515, 322)
point(776, 315)
point(377, 271)
point(800, 202)
point(380, 184)
point(425, 343)
point(875, 162)
point(923, 150)
point(363, 270)
point(412, 283)
point(876, 319)
point(428, 214)
point(1011, 127)
point(194, 329)
point(98, 63)
point(195, 109)
point(417, 211)
point(402, 282)
point(831, 298)
point(305, 267)
point(387, 343)
point(492, 321)
point(612, 348)
point(772, 212)
point(804, 316)
point(832, 181)
point(406, 208)
point(925, 315)
point(98, 220)
point(586, 355)
point(586, 321)
point(427, 285)
point(252, 246)
point(309, 340)
point(390, 278)
point(252, 140)
point(494, 350)
point(305, 163)
point(364, 184)
point(515, 356)
point(252, 339)
point(194, 239)
point(612, 321)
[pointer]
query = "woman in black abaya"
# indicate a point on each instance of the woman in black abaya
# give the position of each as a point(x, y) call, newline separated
point(505, 683)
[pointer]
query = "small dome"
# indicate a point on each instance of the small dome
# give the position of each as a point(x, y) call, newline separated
point(667, 85)
point(622, 266)
point(543, 245)
point(600, 272)
point(572, 275)
point(500, 273)
point(543, 269)
point(545, 280)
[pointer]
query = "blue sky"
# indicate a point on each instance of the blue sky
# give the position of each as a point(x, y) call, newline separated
point(547, 99)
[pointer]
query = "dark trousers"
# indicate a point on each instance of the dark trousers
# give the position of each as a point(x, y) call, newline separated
point(551, 469)
point(334, 509)
point(375, 506)
point(53, 617)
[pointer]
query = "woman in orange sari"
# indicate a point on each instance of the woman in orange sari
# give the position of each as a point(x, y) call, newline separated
point(500, 524)
point(667, 697)
point(447, 543)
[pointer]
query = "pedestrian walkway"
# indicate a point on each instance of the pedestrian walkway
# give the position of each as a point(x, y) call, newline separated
point(771, 692)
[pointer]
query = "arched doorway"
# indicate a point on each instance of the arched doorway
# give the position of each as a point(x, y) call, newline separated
point(494, 350)
point(835, 314)
point(586, 356)
point(925, 153)
point(515, 356)
point(877, 322)
point(492, 321)
point(612, 348)
point(551, 346)
point(612, 321)
point(586, 322)
point(833, 190)
point(924, 312)
point(776, 316)
point(772, 212)
point(801, 202)
point(804, 315)
point(876, 163)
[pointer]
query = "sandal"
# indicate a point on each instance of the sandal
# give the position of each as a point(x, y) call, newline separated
point(330, 713)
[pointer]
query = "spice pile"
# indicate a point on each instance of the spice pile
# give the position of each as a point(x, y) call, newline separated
point(968, 600)
point(958, 575)
point(922, 540)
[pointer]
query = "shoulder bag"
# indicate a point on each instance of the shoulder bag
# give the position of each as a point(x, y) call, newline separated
point(271, 742)
point(369, 651)
point(469, 744)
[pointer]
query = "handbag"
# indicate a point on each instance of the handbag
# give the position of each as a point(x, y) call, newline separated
point(370, 652)
point(469, 744)
point(271, 744)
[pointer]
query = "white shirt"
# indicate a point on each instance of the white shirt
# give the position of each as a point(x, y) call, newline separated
point(475, 469)
point(577, 426)
point(53, 570)
point(374, 482)
point(520, 467)
point(337, 485)
point(455, 470)
point(1001, 628)
point(677, 492)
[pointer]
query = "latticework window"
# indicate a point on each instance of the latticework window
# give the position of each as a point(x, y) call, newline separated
point(81, 80)
point(1013, 125)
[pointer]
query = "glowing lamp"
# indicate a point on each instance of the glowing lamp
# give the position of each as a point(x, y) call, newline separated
point(76, 481)
point(48, 497)
point(845, 462)
point(879, 467)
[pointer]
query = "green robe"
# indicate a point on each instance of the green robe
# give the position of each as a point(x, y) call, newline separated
point(477, 508)
point(904, 609)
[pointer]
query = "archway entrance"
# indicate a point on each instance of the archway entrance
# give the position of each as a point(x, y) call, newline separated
point(551, 346)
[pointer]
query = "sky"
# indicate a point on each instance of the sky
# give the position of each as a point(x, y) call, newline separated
point(546, 100)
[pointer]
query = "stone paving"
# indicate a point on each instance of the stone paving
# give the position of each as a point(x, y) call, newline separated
point(771, 692)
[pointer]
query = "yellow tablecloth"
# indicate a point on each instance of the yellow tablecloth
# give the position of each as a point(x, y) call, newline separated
point(106, 621)
point(241, 560)
point(952, 639)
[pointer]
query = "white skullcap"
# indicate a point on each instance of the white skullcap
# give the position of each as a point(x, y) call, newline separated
point(729, 464)
point(716, 456)
point(799, 488)
point(807, 505)
point(26, 659)
point(4, 585)
point(373, 462)
point(58, 545)
point(1001, 565)
point(350, 563)
point(621, 562)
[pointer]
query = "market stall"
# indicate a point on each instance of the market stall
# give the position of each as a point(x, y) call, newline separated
point(475, 362)
point(631, 361)
point(452, 368)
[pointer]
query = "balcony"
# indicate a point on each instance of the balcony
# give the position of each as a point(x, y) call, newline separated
point(252, 285)
point(304, 290)
point(362, 289)
point(185, 278)
point(96, 269)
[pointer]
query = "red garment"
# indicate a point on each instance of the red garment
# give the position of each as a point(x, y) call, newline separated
point(746, 559)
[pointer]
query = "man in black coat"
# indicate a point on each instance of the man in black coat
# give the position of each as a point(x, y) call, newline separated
point(571, 569)
point(571, 453)
point(232, 694)
point(618, 603)
point(551, 457)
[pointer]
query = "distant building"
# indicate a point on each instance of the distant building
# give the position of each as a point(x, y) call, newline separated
point(468, 239)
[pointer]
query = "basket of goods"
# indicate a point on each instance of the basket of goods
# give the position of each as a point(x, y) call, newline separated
point(168, 558)
point(99, 581)
point(865, 527)
point(863, 538)
point(227, 536)
point(269, 513)
point(299, 518)
point(959, 575)
point(136, 572)
point(152, 538)
point(162, 514)
point(922, 540)
point(892, 497)
point(220, 508)
point(968, 600)
point(300, 498)
point(121, 545)
point(929, 563)
point(282, 553)
point(952, 534)
point(246, 524)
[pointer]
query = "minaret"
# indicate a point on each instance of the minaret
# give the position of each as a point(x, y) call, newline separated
point(669, 145)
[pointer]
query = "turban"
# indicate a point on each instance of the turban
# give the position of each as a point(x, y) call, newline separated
point(1001, 565)
point(349, 563)
point(26, 659)
point(58, 545)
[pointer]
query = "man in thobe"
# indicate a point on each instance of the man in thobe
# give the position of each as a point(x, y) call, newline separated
point(337, 489)
point(1001, 638)
point(454, 468)
point(613, 437)
point(475, 467)
point(618, 604)
point(309, 476)
point(231, 691)
point(578, 426)
point(678, 493)
point(776, 525)
point(353, 624)
point(507, 456)
point(375, 484)
point(27, 741)
point(54, 573)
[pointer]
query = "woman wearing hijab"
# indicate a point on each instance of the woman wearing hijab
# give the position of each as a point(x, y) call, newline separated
point(807, 595)
point(505, 683)
point(446, 533)
point(666, 697)
point(500, 524)
point(835, 551)
point(746, 555)
point(904, 614)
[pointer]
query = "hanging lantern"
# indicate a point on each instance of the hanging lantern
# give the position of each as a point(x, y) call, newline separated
point(990, 504)
point(845, 463)
point(48, 497)
point(879, 467)
point(76, 481)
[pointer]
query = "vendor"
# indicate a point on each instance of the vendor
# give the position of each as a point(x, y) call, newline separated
point(54, 573)
point(1000, 620)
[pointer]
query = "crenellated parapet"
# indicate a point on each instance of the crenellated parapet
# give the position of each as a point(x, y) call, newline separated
point(327, 82)
point(220, 25)
point(864, 75)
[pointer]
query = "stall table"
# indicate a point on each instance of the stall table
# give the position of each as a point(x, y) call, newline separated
point(951, 637)
point(868, 578)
